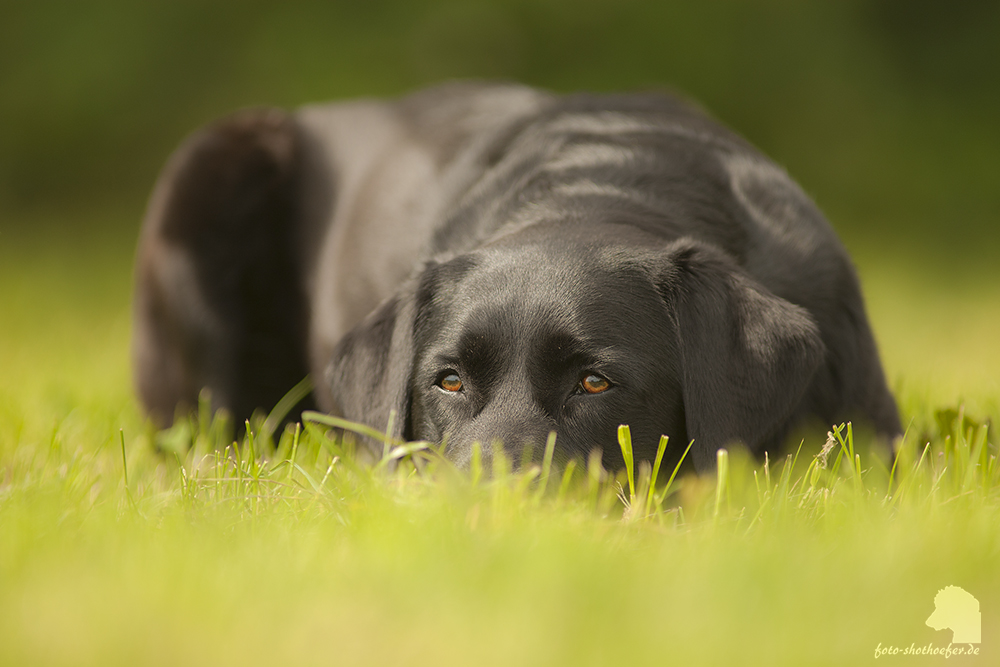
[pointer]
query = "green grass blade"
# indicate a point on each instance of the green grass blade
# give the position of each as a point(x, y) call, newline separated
point(660, 450)
point(625, 442)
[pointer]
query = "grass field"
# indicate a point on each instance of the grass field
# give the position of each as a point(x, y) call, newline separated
point(301, 556)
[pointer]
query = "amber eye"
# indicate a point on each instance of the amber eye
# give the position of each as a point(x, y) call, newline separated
point(594, 384)
point(450, 382)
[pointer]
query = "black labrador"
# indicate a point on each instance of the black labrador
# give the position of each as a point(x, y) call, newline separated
point(494, 263)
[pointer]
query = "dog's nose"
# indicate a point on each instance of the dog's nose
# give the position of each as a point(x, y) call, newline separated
point(519, 433)
point(517, 448)
point(523, 443)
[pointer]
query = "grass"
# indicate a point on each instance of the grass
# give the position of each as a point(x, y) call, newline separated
point(290, 550)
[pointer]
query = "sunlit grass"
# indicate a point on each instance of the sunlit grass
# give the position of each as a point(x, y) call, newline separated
point(119, 545)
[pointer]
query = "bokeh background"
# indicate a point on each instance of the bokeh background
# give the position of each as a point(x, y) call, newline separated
point(886, 111)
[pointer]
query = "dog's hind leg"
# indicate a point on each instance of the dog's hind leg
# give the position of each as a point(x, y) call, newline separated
point(219, 301)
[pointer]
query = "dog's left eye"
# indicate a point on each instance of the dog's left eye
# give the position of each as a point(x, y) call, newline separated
point(594, 384)
point(450, 382)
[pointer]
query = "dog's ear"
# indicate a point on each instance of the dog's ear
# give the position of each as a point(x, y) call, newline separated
point(370, 369)
point(747, 356)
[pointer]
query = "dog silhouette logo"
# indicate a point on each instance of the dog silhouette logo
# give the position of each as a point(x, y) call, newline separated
point(956, 609)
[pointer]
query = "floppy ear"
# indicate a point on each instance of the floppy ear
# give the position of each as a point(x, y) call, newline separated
point(369, 373)
point(747, 356)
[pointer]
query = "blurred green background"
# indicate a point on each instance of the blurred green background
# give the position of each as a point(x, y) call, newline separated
point(888, 112)
point(885, 111)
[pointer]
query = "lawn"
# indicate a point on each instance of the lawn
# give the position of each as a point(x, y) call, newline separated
point(113, 551)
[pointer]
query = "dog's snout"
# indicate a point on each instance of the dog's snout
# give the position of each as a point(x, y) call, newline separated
point(518, 428)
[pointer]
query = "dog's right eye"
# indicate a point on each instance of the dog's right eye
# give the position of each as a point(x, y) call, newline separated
point(594, 384)
point(450, 382)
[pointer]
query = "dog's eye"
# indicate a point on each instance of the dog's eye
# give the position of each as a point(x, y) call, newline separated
point(450, 382)
point(594, 384)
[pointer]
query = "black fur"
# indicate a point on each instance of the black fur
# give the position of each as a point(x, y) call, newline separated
point(520, 241)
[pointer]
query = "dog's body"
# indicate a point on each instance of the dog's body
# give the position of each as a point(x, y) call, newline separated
point(495, 263)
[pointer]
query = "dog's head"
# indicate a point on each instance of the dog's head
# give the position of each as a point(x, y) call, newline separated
point(544, 332)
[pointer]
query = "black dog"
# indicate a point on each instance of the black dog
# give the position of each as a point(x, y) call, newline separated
point(494, 263)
